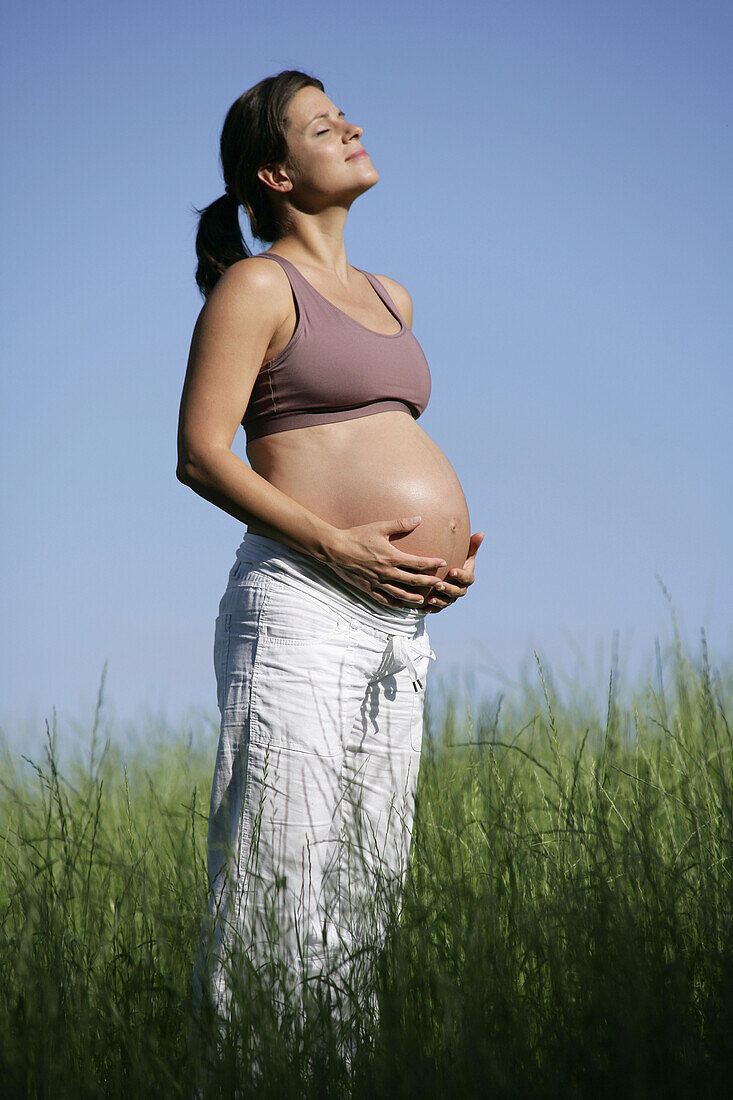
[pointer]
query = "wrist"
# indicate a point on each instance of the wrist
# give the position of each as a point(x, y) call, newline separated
point(326, 543)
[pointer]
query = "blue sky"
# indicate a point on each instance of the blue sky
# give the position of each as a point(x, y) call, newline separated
point(555, 195)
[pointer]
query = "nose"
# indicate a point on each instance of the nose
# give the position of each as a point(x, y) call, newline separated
point(352, 131)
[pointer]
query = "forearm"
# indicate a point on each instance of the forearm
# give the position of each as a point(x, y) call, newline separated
point(226, 481)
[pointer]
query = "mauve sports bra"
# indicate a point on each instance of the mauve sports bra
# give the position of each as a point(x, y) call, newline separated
point(334, 368)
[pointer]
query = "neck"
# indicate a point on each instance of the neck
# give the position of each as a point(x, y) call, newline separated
point(317, 240)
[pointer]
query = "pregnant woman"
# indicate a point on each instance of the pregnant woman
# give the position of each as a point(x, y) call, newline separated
point(357, 529)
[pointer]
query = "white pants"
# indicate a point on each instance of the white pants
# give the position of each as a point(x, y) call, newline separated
point(321, 695)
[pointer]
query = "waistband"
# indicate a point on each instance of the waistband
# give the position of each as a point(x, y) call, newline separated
point(278, 560)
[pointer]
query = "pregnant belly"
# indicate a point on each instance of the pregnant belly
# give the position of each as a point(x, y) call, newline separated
point(379, 467)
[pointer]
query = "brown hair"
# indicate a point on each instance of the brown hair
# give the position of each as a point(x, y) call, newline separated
point(253, 135)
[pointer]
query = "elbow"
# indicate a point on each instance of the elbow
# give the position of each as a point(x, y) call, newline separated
point(184, 471)
point(188, 470)
point(197, 468)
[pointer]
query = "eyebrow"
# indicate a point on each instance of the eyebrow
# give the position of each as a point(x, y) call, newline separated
point(324, 115)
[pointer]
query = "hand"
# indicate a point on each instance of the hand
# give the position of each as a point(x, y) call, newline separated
point(366, 558)
point(457, 581)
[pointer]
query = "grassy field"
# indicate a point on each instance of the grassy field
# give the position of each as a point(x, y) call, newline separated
point(566, 928)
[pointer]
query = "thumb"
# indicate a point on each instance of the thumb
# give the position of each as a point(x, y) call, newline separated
point(473, 546)
point(403, 525)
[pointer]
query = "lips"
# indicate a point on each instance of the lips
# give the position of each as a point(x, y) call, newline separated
point(361, 153)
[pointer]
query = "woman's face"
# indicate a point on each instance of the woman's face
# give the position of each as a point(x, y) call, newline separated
point(321, 150)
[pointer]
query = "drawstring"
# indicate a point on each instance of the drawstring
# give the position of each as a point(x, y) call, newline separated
point(403, 657)
point(401, 652)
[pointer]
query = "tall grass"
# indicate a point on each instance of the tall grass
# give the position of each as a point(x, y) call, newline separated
point(566, 927)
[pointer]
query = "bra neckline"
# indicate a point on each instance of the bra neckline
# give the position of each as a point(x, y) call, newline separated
point(383, 335)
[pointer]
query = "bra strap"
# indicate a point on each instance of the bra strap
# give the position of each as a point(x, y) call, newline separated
point(382, 292)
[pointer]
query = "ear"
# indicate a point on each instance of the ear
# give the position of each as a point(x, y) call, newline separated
point(276, 177)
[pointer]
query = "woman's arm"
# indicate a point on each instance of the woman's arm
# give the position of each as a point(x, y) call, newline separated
point(230, 341)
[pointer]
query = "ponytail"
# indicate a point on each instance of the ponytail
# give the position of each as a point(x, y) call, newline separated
point(219, 242)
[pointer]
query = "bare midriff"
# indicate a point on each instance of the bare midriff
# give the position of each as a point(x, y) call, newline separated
point(377, 467)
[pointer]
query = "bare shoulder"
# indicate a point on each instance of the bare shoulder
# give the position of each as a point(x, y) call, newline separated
point(399, 295)
point(247, 306)
point(253, 281)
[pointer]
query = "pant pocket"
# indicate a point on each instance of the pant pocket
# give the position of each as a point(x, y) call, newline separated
point(293, 617)
point(301, 668)
point(302, 695)
point(235, 643)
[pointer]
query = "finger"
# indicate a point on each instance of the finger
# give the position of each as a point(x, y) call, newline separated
point(468, 566)
point(473, 546)
point(394, 601)
point(418, 564)
point(460, 577)
point(414, 562)
point(382, 600)
point(410, 580)
point(465, 574)
point(414, 599)
point(401, 526)
point(445, 594)
point(450, 591)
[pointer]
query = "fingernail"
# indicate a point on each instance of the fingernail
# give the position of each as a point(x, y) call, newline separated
point(415, 519)
point(440, 587)
point(433, 601)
